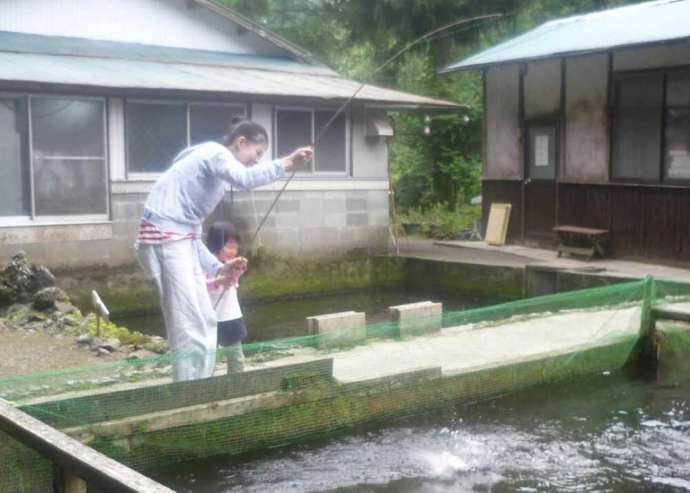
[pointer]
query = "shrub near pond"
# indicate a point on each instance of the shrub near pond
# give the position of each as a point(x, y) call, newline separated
point(439, 221)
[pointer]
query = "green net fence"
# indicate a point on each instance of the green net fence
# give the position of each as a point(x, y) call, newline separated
point(298, 388)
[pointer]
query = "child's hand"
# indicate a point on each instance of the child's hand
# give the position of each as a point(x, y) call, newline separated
point(230, 272)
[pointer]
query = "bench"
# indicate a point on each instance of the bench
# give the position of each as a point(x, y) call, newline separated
point(593, 238)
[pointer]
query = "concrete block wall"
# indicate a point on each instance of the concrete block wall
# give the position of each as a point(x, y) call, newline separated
point(108, 243)
point(316, 223)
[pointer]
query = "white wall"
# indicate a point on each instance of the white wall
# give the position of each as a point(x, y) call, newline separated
point(502, 125)
point(587, 121)
point(369, 154)
point(155, 22)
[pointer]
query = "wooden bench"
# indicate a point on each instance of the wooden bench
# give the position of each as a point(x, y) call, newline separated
point(592, 237)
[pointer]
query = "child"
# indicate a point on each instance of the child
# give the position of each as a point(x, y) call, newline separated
point(223, 241)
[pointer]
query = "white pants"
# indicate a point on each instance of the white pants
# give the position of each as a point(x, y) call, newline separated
point(190, 321)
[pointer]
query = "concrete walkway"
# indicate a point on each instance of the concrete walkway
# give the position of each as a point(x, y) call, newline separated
point(478, 252)
point(469, 348)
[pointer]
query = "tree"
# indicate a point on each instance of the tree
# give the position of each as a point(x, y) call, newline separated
point(355, 36)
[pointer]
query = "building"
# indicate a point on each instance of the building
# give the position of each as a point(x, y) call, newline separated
point(98, 96)
point(587, 123)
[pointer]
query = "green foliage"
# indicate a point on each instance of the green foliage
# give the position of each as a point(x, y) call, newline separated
point(441, 221)
point(356, 36)
point(110, 330)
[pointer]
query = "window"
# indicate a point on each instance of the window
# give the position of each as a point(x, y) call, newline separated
point(53, 156)
point(299, 127)
point(637, 127)
point(14, 155)
point(158, 131)
point(677, 137)
point(651, 131)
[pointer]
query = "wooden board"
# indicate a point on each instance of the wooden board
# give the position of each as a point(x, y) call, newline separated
point(497, 226)
point(105, 406)
point(76, 459)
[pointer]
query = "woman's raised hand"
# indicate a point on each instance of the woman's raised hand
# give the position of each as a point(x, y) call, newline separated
point(298, 158)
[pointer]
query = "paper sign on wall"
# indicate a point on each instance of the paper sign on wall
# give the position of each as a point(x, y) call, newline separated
point(541, 150)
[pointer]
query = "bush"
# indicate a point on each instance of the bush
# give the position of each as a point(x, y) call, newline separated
point(440, 221)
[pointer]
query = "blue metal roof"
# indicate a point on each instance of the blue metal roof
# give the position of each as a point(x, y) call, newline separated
point(639, 24)
point(60, 45)
point(105, 64)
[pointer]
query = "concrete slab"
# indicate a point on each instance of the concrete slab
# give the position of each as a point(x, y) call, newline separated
point(338, 329)
point(468, 348)
point(417, 318)
point(478, 252)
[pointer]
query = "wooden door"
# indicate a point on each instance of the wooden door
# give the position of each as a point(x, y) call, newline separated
point(540, 181)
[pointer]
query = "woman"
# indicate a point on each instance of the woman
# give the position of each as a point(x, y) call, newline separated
point(169, 246)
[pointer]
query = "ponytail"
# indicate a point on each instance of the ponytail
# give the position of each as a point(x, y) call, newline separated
point(242, 127)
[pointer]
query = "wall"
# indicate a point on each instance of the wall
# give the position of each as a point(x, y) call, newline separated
point(542, 90)
point(369, 154)
point(587, 121)
point(155, 22)
point(667, 55)
point(645, 222)
point(314, 223)
point(502, 125)
point(316, 216)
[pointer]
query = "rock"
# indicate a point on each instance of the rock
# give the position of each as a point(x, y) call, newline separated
point(102, 352)
point(65, 307)
point(41, 278)
point(84, 339)
point(112, 345)
point(18, 315)
point(7, 294)
point(95, 343)
point(156, 345)
point(16, 278)
point(19, 280)
point(46, 298)
point(69, 321)
point(141, 354)
point(33, 326)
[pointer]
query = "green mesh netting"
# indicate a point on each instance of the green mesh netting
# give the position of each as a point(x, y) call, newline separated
point(301, 387)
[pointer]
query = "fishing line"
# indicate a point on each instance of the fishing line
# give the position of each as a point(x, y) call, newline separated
point(348, 101)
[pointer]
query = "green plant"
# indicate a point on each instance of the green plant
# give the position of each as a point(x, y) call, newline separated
point(440, 220)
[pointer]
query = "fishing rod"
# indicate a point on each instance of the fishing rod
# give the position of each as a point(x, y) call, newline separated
point(348, 101)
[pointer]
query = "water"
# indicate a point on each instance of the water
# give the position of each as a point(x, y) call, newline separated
point(604, 434)
point(269, 320)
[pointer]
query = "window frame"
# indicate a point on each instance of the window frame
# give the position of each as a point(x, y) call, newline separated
point(45, 220)
point(312, 110)
point(187, 103)
point(660, 179)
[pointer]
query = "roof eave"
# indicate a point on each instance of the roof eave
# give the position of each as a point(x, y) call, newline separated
point(440, 105)
point(564, 54)
point(259, 30)
point(395, 106)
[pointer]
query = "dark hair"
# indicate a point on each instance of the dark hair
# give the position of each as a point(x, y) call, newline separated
point(241, 127)
point(219, 234)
